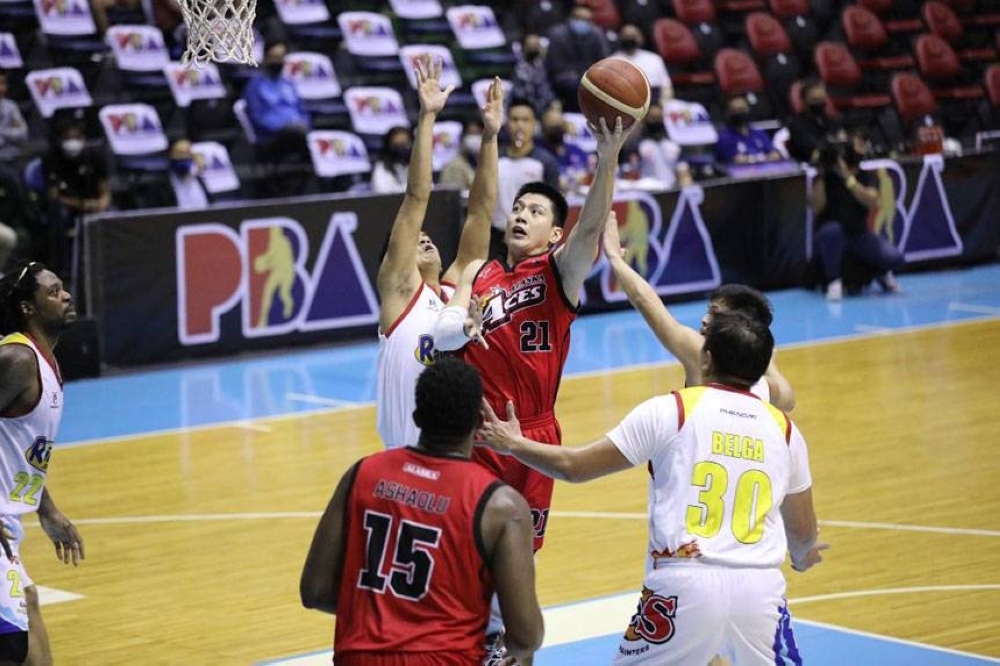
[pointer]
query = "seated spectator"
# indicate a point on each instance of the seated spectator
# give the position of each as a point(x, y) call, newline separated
point(630, 42)
point(389, 172)
point(738, 142)
point(279, 119)
point(842, 198)
point(77, 178)
point(530, 81)
point(13, 134)
point(181, 187)
point(521, 161)
point(659, 157)
point(574, 46)
point(574, 163)
point(813, 128)
point(461, 169)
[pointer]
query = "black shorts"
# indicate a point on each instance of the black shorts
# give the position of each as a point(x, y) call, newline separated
point(14, 646)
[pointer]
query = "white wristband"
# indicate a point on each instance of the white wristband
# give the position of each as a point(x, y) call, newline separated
point(449, 332)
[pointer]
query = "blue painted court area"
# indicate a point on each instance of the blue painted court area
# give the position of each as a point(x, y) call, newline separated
point(263, 386)
point(821, 645)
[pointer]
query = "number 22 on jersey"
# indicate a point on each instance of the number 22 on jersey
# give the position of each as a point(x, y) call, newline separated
point(751, 503)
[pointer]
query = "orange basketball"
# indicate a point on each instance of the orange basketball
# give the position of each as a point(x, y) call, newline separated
point(614, 87)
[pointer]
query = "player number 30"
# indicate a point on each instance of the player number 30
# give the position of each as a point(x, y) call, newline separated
point(751, 504)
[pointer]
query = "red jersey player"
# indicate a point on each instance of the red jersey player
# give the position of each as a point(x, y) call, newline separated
point(415, 540)
point(527, 305)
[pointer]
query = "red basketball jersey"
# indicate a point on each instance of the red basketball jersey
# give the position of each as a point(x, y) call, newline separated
point(415, 578)
point(526, 321)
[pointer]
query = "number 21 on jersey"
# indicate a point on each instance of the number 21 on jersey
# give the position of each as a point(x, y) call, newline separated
point(751, 503)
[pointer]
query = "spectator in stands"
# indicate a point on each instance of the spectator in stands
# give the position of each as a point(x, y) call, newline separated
point(279, 119)
point(812, 128)
point(574, 163)
point(13, 134)
point(181, 187)
point(630, 42)
point(738, 142)
point(461, 169)
point(530, 80)
point(167, 16)
point(574, 46)
point(521, 161)
point(842, 198)
point(77, 179)
point(102, 8)
point(659, 157)
point(389, 172)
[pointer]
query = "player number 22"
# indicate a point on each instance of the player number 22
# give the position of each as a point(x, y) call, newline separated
point(26, 488)
point(409, 575)
point(751, 504)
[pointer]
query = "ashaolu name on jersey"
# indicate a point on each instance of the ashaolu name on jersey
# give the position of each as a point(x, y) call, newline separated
point(499, 306)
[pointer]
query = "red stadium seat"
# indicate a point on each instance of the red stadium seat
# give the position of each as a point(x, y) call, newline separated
point(943, 22)
point(693, 12)
point(605, 13)
point(789, 8)
point(766, 34)
point(737, 73)
point(865, 33)
point(939, 65)
point(968, 14)
point(992, 78)
point(838, 69)
point(912, 98)
point(885, 10)
point(679, 50)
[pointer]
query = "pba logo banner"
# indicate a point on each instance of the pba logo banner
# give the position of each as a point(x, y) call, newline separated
point(187, 84)
point(295, 12)
point(409, 55)
point(368, 34)
point(10, 55)
point(312, 74)
point(133, 129)
point(678, 258)
point(263, 270)
point(65, 17)
point(374, 110)
point(475, 27)
point(138, 48)
point(60, 88)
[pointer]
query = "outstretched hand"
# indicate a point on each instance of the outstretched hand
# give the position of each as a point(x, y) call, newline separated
point(611, 240)
point(474, 324)
point(428, 75)
point(495, 433)
point(610, 140)
point(493, 110)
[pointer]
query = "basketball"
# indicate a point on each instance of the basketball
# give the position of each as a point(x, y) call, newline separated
point(614, 87)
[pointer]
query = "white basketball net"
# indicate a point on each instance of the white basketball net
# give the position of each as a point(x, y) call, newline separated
point(219, 30)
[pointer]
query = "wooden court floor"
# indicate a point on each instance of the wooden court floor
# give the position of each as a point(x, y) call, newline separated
point(195, 541)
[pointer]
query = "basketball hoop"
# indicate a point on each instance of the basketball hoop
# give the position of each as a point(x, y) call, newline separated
point(219, 31)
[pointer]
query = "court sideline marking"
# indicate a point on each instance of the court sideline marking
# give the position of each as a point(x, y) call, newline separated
point(586, 374)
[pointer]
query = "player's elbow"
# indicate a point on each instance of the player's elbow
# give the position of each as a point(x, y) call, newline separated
point(317, 597)
point(449, 330)
point(522, 641)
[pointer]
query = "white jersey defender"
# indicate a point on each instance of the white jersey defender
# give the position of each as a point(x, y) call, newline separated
point(26, 441)
point(721, 462)
point(404, 350)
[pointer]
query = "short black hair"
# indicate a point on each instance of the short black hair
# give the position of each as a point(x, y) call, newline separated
point(522, 101)
point(560, 209)
point(744, 299)
point(20, 284)
point(449, 400)
point(741, 346)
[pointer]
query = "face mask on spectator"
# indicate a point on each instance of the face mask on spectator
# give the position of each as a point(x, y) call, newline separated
point(274, 68)
point(739, 118)
point(471, 143)
point(579, 26)
point(629, 44)
point(400, 154)
point(73, 147)
point(817, 108)
point(656, 130)
point(181, 167)
point(554, 135)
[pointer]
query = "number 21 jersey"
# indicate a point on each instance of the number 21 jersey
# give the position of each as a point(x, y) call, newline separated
point(526, 321)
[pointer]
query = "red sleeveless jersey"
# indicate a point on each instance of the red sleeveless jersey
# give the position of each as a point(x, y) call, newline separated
point(526, 321)
point(415, 578)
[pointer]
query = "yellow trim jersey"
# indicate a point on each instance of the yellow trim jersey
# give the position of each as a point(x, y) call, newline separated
point(721, 462)
point(26, 439)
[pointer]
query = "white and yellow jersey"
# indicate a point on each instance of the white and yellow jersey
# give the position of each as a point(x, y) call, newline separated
point(404, 350)
point(721, 462)
point(26, 438)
